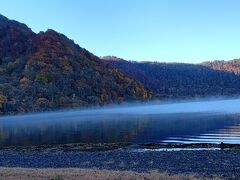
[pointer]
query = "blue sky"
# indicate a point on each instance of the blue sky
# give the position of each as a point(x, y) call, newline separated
point(154, 30)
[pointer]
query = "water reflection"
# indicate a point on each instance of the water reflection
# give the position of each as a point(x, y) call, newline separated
point(115, 128)
point(229, 134)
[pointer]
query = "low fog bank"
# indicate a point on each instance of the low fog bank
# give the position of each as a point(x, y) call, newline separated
point(227, 106)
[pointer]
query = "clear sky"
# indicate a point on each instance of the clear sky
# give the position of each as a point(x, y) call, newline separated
point(155, 30)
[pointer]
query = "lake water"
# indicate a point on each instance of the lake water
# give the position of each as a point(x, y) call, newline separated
point(189, 122)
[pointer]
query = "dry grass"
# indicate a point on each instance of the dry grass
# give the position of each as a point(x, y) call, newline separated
point(91, 174)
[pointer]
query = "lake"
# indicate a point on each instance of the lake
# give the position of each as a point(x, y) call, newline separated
point(212, 121)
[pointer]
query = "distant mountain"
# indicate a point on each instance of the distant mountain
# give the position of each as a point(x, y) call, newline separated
point(228, 66)
point(47, 71)
point(179, 80)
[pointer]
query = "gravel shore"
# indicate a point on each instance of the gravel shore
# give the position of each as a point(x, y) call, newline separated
point(221, 163)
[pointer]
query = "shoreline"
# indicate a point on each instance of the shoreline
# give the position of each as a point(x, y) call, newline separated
point(92, 147)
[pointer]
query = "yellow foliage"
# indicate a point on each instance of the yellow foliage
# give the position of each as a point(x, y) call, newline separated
point(3, 99)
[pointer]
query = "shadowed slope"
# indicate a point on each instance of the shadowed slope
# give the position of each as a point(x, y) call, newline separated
point(179, 80)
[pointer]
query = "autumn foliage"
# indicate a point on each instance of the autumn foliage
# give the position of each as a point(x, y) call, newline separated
point(48, 71)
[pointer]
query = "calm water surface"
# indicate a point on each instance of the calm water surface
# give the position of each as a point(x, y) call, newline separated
point(196, 122)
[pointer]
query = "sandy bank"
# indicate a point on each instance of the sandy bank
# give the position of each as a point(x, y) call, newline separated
point(71, 173)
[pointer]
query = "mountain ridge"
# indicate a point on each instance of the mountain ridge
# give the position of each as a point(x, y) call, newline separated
point(47, 71)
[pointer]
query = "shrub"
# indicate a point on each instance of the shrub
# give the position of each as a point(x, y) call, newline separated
point(41, 78)
point(58, 177)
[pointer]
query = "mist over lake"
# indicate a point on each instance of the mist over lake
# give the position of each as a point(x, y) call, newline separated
point(212, 121)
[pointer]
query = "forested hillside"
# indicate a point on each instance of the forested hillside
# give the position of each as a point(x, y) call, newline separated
point(228, 66)
point(179, 80)
point(48, 71)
